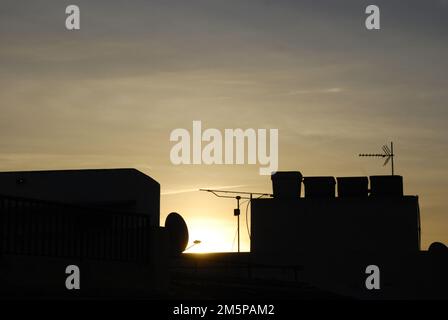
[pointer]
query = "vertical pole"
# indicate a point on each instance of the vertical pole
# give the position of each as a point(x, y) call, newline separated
point(250, 230)
point(392, 156)
point(238, 221)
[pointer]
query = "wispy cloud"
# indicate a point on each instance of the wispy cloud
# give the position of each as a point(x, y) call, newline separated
point(311, 91)
point(172, 192)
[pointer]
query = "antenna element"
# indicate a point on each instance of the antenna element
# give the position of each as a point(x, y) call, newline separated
point(388, 154)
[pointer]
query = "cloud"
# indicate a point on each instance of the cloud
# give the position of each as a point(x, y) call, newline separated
point(172, 192)
point(314, 91)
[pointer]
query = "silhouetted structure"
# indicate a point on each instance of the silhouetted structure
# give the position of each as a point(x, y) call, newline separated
point(107, 223)
point(104, 221)
point(177, 234)
point(319, 222)
point(335, 238)
point(124, 190)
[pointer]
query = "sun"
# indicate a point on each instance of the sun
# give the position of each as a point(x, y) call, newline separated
point(213, 238)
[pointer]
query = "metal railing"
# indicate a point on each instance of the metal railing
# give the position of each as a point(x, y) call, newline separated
point(41, 228)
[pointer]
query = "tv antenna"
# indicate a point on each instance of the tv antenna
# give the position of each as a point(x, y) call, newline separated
point(388, 153)
point(238, 196)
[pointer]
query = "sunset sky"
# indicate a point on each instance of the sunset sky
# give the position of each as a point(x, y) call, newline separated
point(109, 95)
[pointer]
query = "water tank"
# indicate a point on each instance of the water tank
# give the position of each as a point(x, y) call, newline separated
point(319, 187)
point(286, 184)
point(349, 187)
point(386, 186)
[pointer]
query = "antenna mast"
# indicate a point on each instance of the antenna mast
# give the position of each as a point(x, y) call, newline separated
point(238, 196)
point(388, 153)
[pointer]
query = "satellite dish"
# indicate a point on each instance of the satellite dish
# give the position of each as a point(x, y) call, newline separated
point(438, 248)
point(177, 233)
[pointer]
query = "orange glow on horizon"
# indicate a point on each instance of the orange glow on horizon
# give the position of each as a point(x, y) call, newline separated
point(213, 238)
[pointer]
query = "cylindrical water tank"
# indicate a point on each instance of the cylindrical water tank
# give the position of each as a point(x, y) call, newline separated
point(286, 184)
point(386, 186)
point(349, 187)
point(319, 187)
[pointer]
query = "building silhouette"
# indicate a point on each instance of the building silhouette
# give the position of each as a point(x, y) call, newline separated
point(340, 227)
point(125, 190)
point(106, 222)
point(310, 243)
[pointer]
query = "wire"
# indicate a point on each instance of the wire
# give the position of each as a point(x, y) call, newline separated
point(234, 237)
point(222, 194)
point(249, 202)
point(247, 223)
point(236, 232)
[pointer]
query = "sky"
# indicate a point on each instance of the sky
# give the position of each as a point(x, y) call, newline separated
point(109, 95)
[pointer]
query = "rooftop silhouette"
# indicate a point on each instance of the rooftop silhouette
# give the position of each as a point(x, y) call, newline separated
point(107, 222)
